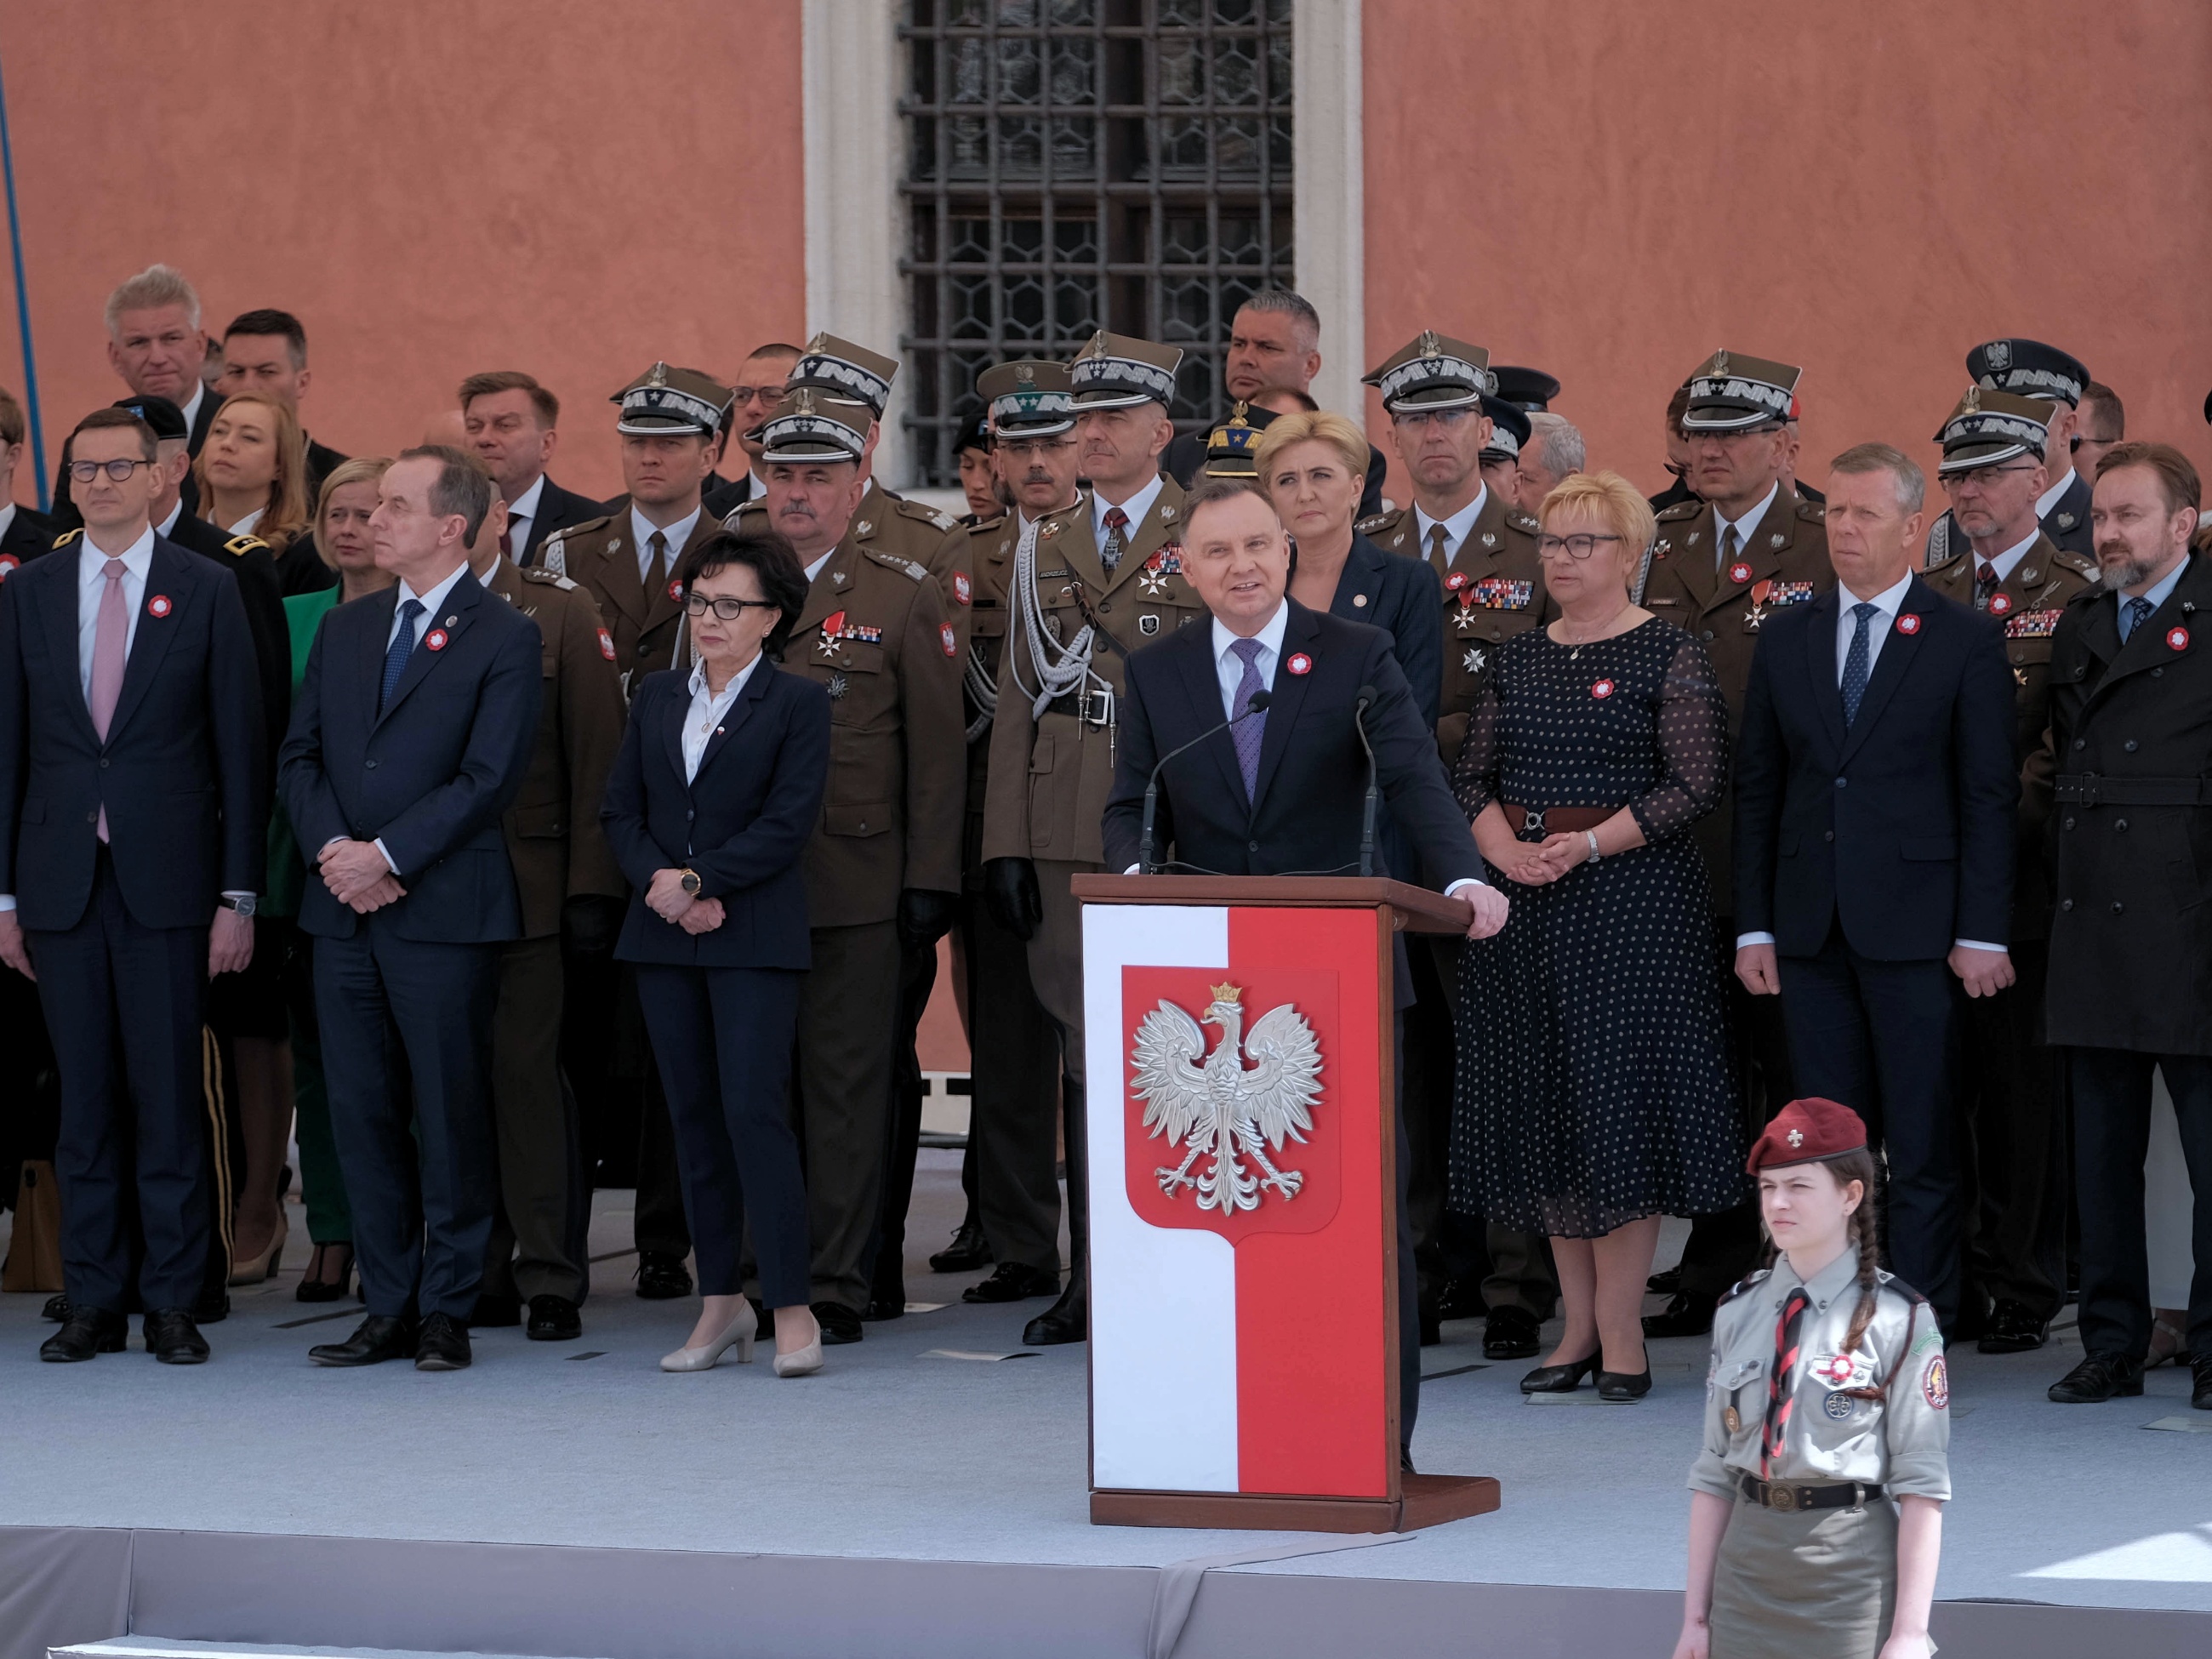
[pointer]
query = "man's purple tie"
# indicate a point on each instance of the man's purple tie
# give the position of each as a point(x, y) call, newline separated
point(1247, 733)
point(110, 638)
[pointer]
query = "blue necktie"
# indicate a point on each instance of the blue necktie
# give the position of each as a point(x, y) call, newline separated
point(403, 647)
point(1854, 661)
point(2133, 615)
point(1247, 736)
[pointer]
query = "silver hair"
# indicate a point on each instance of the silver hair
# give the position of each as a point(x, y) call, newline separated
point(1558, 443)
point(1290, 305)
point(157, 285)
point(1912, 482)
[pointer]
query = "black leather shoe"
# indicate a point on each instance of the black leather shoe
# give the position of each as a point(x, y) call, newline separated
point(1512, 1333)
point(839, 1323)
point(1461, 1298)
point(86, 1332)
point(1067, 1320)
point(1666, 1282)
point(378, 1338)
point(1013, 1281)
point(1620, 1386)
point(2200, 1396)
point(1560, 1379)
point(1689, 1313)
point(212, 1308)
point(2014, 1328)
point(57, 1309)
point(661, 1277)
point(174, 1338)
point(444, 1345)
point(968, 1251)
point(554, 1319)
point(2100, 1377)
point(496, 1310)
point(881, 1308)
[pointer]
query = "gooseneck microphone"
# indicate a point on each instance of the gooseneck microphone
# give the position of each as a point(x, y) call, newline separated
point(1145, 866)
point(1361, 702)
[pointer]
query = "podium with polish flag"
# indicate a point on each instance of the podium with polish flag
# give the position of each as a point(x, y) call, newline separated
point(1245, 1340)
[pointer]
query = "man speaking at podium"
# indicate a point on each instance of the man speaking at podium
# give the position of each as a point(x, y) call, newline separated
point(1253, 727)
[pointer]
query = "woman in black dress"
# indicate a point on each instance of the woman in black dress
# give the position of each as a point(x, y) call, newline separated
point(1598, 1097)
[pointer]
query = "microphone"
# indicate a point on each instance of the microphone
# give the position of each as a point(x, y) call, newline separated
point(1144, 864)
point(1360, 704)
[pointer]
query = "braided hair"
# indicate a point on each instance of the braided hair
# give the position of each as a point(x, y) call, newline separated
point(1858, 1166)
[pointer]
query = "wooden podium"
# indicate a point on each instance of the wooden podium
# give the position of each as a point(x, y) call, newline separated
point(1242, 1141)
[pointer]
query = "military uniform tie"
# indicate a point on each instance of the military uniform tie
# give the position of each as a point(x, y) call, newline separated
point(1731, 544)
point(1786, 1331)
point(1117, 525)
point(1856, 659)
point(656, 577)
point(1985, 583)
point(1439, 539)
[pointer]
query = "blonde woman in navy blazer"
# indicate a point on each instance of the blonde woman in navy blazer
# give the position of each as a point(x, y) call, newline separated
point(710, 808)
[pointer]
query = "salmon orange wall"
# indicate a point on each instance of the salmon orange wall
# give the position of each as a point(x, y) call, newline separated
point(572, 187)
point(1610, 189)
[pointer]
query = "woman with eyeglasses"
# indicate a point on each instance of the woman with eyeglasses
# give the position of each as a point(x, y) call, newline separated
point(709, 809)
point(1600, 1098)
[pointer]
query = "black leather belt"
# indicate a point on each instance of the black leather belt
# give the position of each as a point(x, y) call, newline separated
point(2088, 789)
point(1095, 707)
point(1791, 1495)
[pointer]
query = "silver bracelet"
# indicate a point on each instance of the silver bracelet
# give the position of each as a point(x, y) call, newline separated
point(1595, 856)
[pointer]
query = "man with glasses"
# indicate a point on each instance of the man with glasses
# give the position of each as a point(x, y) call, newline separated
point(2029, 369)
point(2012, 1109)
point(759, 389)
point(1747, 548)
point(512, 424)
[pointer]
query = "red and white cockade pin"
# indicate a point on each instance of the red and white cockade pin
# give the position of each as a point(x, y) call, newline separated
point(435, 639)
point(1601, 689)
point(606, 645)
point(2000, 603)
point(158, 606)
point(676, 592)
point(1299, 663)
point(962, 590)
point(1456, 581)
point(951, 642)
point(8, 563)
point(1908, 624)
point(1739, 572)
point(2177, 639)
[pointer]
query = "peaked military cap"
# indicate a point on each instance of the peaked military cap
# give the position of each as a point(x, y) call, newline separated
point(809, 426)
point(1230, 446)
point(1527, 389)
point(1028, 399)
point(2027, 369)
point(1509, 428)
point(844, 370)
point(166, 419)
point(1731, 392)
point(1117, 371)
point(1990, 427)
point(1432, 371)
point(665, 400)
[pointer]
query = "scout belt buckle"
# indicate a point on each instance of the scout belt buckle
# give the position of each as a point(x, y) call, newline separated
point(1782, 1497)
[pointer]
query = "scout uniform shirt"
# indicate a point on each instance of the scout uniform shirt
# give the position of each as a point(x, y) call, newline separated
point(874, 635)
point(1879, 1413)
point(600, 555)
point(1050, 773)
point(1494, 588)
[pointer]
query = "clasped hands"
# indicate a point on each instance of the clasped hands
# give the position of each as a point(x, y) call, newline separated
point(1537, 864)
point(357, 875)
point(667, 899)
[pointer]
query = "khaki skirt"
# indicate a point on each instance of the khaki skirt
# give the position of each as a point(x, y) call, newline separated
point(1811, 1585)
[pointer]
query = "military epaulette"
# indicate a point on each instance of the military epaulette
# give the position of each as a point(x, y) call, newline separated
point(1886, 1280)
point(1812, 512)
point(1681, 511)
point(984, 526)
point(239, 546)
point(1522, 521)
point(933, 517)
point(904, 567)
point(2080, 563)
point(2089, 595)
point(1758, 1276)
point(67, 537)
point(583, 529)
point(1949, 555)
point(1368, 526)
point(539, 574)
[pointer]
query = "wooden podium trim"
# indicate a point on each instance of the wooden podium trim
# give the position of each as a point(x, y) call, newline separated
point(1429, 1500)
point(1418, 910)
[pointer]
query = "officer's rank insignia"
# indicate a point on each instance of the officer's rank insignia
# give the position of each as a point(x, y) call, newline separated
point(159, 606)
point(2000, 605)
point(433, 640)
point(1148, 623)
point(1500, 593)
point(1908, 624)
point(838, 686)
point(1473, 661)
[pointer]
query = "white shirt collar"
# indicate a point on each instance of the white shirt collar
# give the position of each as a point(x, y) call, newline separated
point(1886, 601)
point(1747, 526)
point(433, 599)
point(1270, 638)
point(1137, 506)
point(730, 691)
point(2049, 498)
point(7, 516)
point(815, 569)
point(244, 526)
point(760, 485)
point(2009, 560)
point(176, 512)
point(524, 506)
point(137, 558)
point(1457, 528)
point(192, 407)
point(643, 530)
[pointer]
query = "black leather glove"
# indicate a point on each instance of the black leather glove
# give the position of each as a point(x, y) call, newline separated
point(592, 920)
point(924, 916)
point(1010, 888)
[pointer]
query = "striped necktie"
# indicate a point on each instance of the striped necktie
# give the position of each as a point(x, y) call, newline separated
point(1786, 1332)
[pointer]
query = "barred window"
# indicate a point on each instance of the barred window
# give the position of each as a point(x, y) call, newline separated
point(1074, 165)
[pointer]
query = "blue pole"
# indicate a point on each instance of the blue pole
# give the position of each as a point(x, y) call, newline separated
point(23, 307)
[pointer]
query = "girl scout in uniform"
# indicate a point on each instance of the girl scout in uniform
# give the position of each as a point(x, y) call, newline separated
point(1818, 1513)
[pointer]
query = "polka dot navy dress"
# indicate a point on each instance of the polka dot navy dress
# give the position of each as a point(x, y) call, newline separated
point(1593, 1085)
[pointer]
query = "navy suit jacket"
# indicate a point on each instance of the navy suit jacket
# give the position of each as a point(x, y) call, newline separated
point(1901, 827)
point(183, 773)
point(1402, 597)
point(558, 509)
point(431, 775)
point(1304, 817)
point(743, 823)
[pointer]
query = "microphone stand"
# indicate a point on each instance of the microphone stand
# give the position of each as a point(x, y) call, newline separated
point(1359, 706)
point(1146, 864)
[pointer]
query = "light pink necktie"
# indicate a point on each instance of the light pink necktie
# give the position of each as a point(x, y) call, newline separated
point(110, 636)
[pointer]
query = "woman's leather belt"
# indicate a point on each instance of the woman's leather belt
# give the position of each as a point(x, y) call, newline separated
point(1556, 820)
point(1789, 1496)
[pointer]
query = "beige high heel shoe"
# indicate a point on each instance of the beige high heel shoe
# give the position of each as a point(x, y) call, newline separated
point(740, 1332)
point(260, 1269)
point(802, 1362)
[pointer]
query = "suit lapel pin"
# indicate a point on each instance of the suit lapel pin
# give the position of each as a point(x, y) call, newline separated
point(158, 606)
point(2177, 639)
point(2066, 521)
point(676, 592)
point(1908, 624)
point(1360, 600)
point(1601, 689)
point(435, 640)
point(1299, 663)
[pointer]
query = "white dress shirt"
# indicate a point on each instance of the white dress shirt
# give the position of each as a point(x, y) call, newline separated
point(815, 569)
point(168, 526)
point(707, 710)
point(2009, 560)
point(1746, 527)
point(2049, 498)
point(7, 516)
point(521, 510)
point(192, 407)
point(1457, 528)
point(91, 579)
point(244, 526)
point(643, 530)
point(1137, 506)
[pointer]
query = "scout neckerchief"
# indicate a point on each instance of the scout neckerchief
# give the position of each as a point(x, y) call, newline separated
point(1787, 1330)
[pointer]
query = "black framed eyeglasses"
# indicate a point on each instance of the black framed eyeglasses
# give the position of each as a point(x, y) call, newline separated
point(728, 609)
point(1574, 547)
point(85, 472)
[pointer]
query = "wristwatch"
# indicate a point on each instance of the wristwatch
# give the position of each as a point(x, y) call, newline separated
point(690, 883)
point(243, 904)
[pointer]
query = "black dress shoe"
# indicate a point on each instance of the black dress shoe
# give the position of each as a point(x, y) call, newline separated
point(2100, 1377)
point(378, 1338)
point(174, 1338)
point(212, 1308)
point(86, 1332)
point(2014, 1328)
point(1461, 1298)
point(1067, 1320)
point(1620, 1386)
point(1560, 1379)
point(1666, 1282)
point(839, 1323)
point(1013, 1281)
point(881, 1308)
point(1512, 1333)
point(56, 1309)
point(554, 1319)
point(444, 1345)
point(968, 1251)
point(662, 1277)
point(1689, 1313)
point(2200, 1396)
point(496, 1310)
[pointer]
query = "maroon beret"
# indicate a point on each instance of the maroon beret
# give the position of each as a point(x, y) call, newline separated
point(1807, 1129)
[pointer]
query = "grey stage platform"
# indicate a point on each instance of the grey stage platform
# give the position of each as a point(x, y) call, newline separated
point(571, 1499)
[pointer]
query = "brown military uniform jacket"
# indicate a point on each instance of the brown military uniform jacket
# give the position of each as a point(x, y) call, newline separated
point(1786, 563)
point(554, 838)
point(982, 555)
point(914, 530)
point(1050, 773)
point(875, 636)
point(2030, 602)
point(599, 556)
point(1493, 589)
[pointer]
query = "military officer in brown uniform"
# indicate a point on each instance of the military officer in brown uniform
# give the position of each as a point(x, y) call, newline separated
point(563, 871)
point(1721, 565)
point(2029, 369)
point(883, 872)
point(626, 562)
point(2003, 563)
point(1094, 582)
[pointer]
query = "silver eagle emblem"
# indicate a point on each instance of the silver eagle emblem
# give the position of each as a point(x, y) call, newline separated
point(1217, 1107)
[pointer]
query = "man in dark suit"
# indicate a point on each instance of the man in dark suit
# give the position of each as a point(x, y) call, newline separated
point(411, 736)
point(134, 799)
point(1282, 789)
point(513, 423)
point(267, 351)
point(1874, 795)
point(24, 534)
point(156, 345)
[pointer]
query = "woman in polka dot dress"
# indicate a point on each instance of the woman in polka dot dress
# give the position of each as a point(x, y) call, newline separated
point(1595, 1096)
